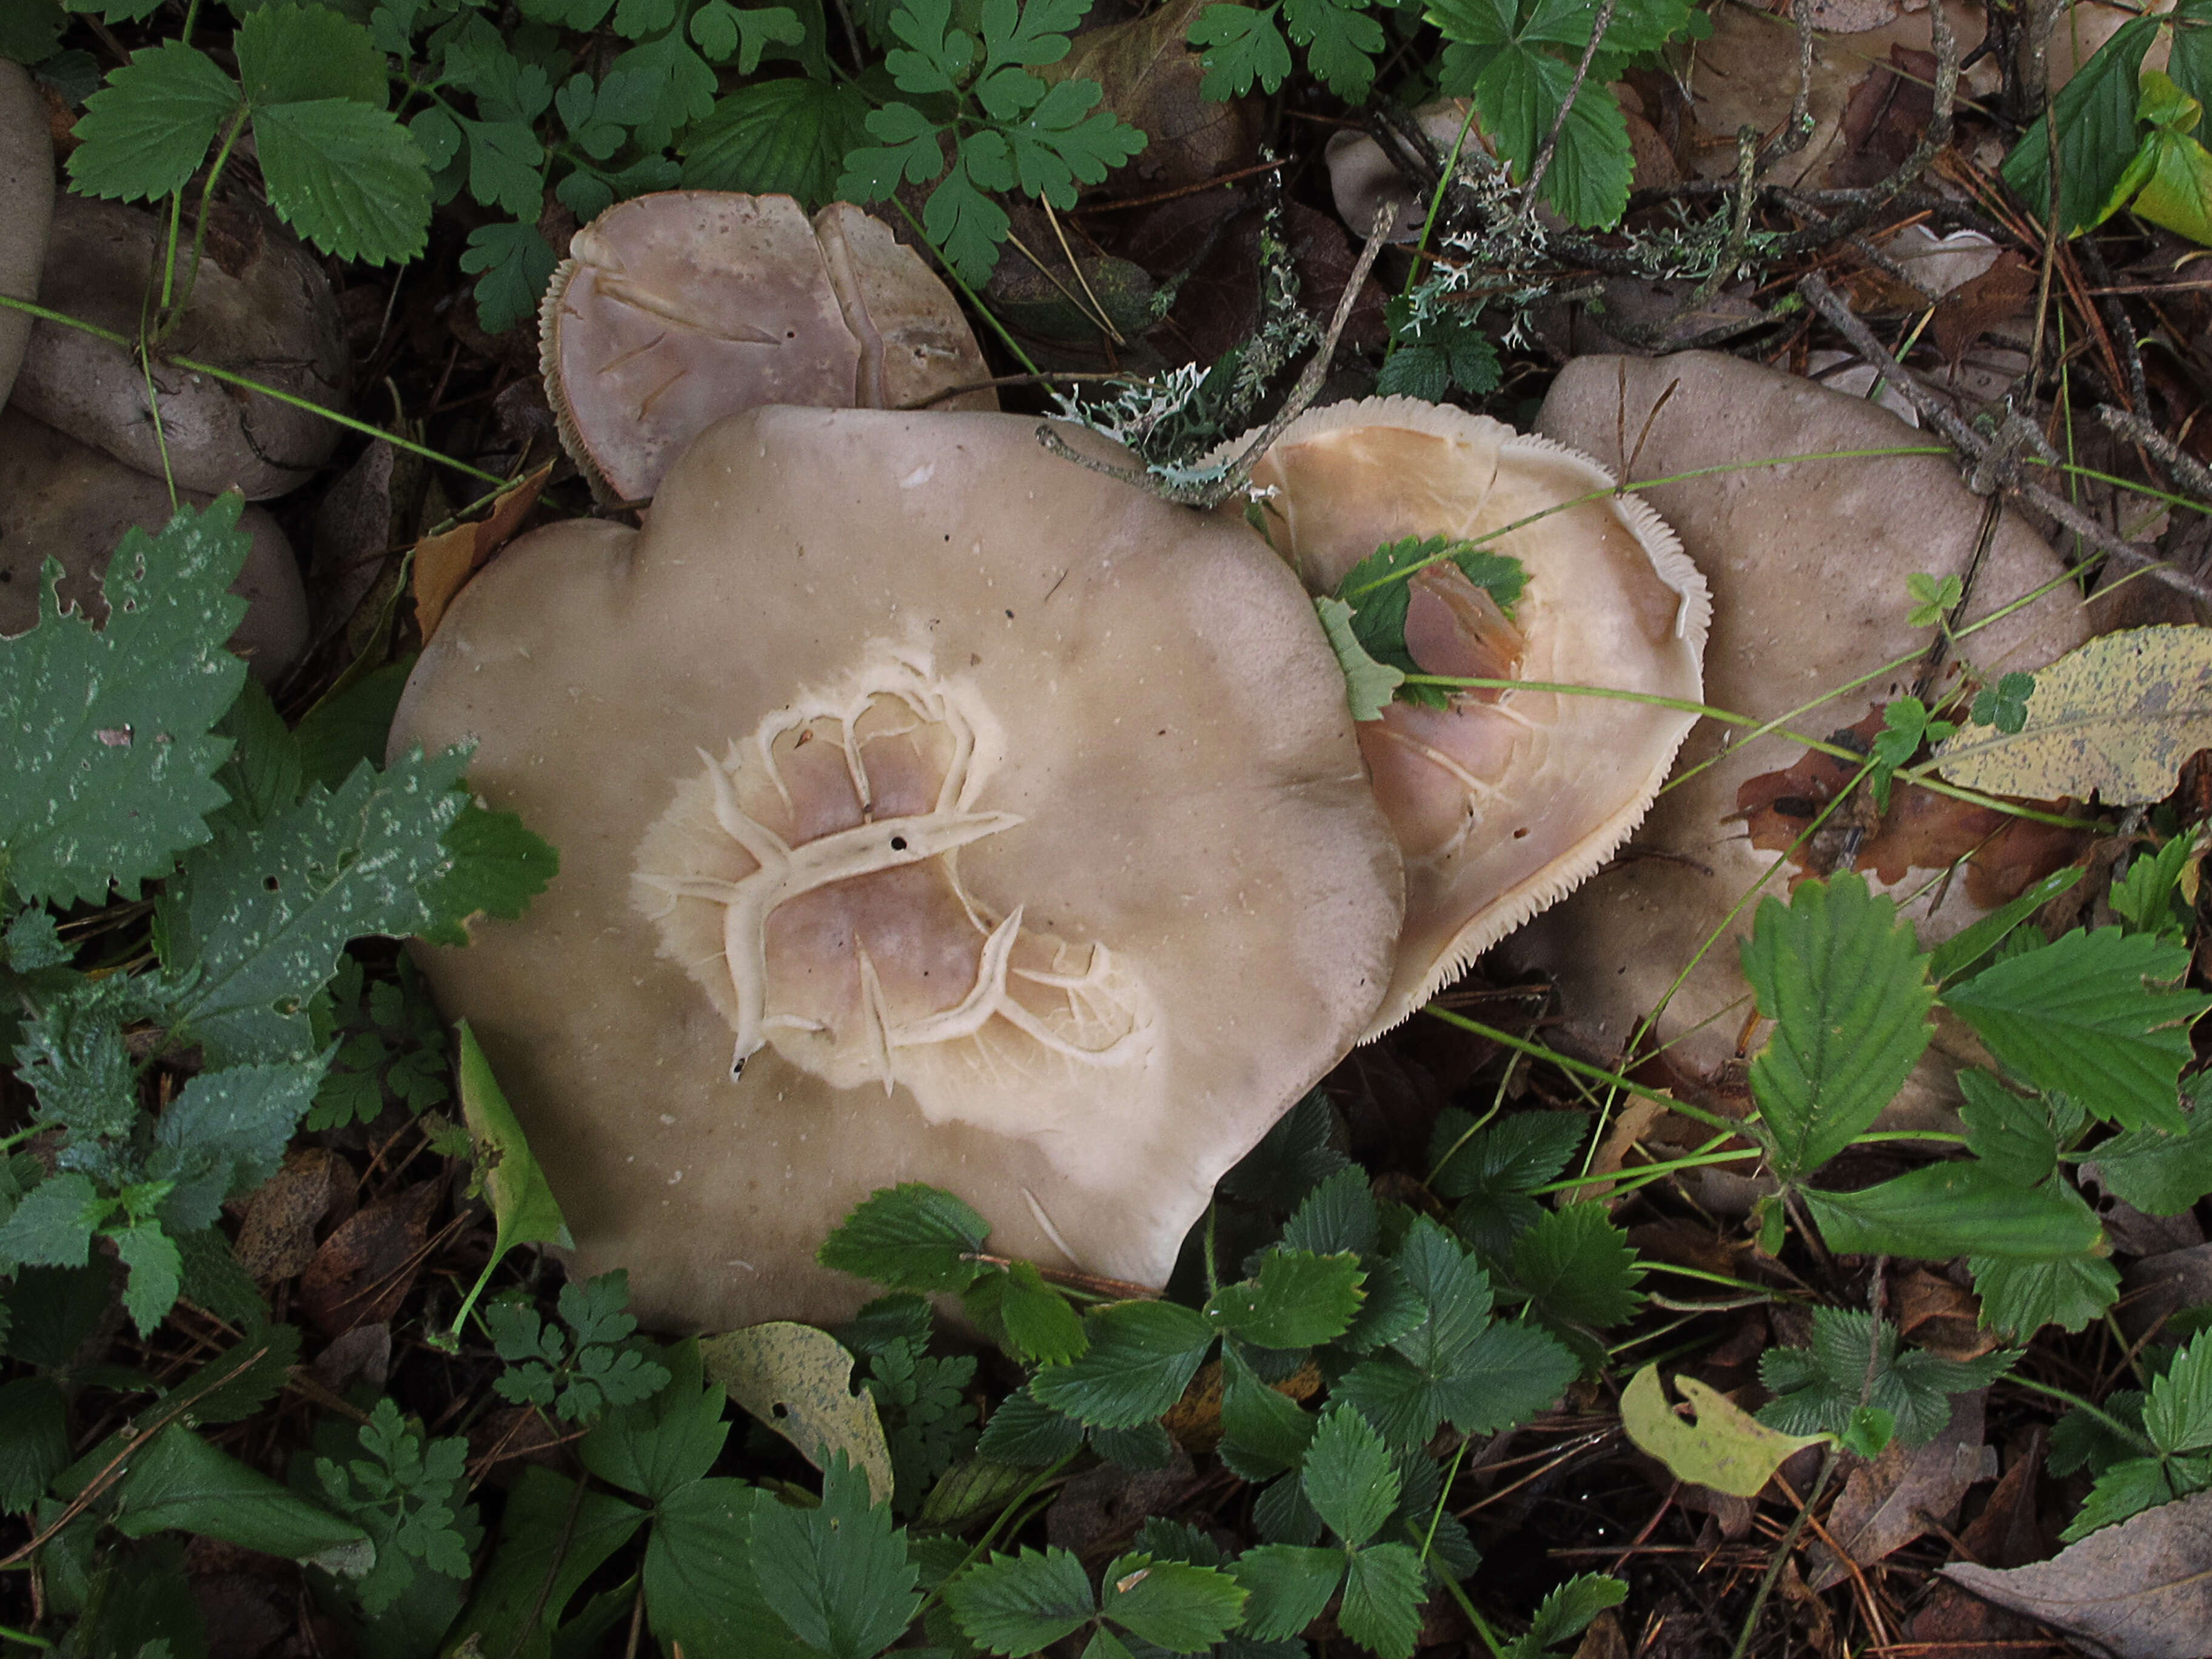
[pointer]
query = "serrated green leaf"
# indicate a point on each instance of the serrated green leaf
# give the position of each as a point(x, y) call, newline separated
point(1026, 1432)
point(146, 132)
point(1298, 1300)
point(263, 918)
point(1337, 1214)
point(1241, 45)
point(2013, 1136)
point(1348, 1477)
point(34, 1440)
point(1945, 1210)
point(1044, 1329)
point(2158, 1172)
point(1288, 1587)
point(1017, 1604)
point(2178, 1417)
point(838, 1575)
point(786, 137)
point(1172, 1604)
point(289, 54)
point(551, 1537)
point(1567, 1611)
point(52, 1225)
point(512, 263)
point(909, 1237)
point(2019, 1296)
point(2095, 112)
point(1818, 1388)
point(2124, 1489)
point(701, 1529)
point(1142, 1357)
point(1847, 987)
point(346, 177)
point(499, 867)
point(180, 1481)
point(1964, 950)
point(1264, 1432)
point(1578, 1267)
point(1382, 1605)
point(666, 1441)
point(2092, 1016)
point(111, 771)
point(157, 1272)
point(1380, 589)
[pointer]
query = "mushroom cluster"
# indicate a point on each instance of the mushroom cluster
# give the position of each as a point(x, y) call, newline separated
point(933, 809)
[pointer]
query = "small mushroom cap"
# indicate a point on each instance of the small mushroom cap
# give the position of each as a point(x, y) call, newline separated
point(260, 307)
point(675, 309)
point(1807, 565)
point(26, 207)
point(1504, 802)
point(1007, 822)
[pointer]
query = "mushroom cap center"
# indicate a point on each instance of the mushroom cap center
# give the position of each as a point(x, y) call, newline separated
point(808, 879)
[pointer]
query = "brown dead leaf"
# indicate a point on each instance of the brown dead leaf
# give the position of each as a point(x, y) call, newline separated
point(1150, 77)
point(2159, 1285)
point(1971, 309)
point(1102, 1506)
point(2142, 1590)
point(364, 1270)
point(278, 1238)
point(1941, 1317)
point(2008, 1532)
point(1603, 1640)
point(443, 564)
point(1195, 1420)
point(363, 1354)
point(1888, 1503)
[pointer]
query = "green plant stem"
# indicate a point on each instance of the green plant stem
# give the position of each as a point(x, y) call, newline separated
point(972, 297)
point(10, 1634)
point(214, 372)
point(1436, 204)
point(2134, 1437)
point(991, 1533)
point(1783, 1550)
point(1644, 1174)
point(1537, 1050)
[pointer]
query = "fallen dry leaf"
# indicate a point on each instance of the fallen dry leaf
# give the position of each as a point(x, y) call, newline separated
point(2159, 1285)
point(799, 1381)
point(2142, 1590)
point(364, 1270)
point(444, 564)
point(1941, 1317)
point(1727, 1448)
point(1890, 1502)
point(1971, 309)
point(2117, 717)
point(278, 1238)
point(1104, 1504)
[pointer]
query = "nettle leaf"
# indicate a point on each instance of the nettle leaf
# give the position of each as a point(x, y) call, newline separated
point(1847, 987)
point(1298, 1300)
point(145, 133)
point(261, 919)
point(909, 1237)
point(787, 138)
point(110, 770)
point(1142, 1357)
point(2098, 1017)
point(1017, 1604)
point(1576, 1267)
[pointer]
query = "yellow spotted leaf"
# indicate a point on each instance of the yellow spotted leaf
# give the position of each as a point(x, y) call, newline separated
point(2116, 718)
point(799, 1381)
point(1726, 1449)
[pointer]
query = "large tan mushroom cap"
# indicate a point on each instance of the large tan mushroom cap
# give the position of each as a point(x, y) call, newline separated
point(676, 309)
point(1502, 803)
point(1807, 564)
point(1005, 821)
point(26, 208)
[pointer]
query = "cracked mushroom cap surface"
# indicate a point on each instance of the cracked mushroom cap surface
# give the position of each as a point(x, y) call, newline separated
point(1807, 564)
point(1504, 801)
point(929, 809)
point(675, 309)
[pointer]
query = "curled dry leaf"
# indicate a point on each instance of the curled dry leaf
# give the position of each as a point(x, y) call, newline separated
point(2140, 1590)
point(278, 1238)
point(362, 1273)
point(444, 564)
point(2115, 719)
point(1890, 1502)
point(799, 1381)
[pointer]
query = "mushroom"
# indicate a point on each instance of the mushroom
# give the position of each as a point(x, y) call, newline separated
point(929, 809)
point(259, 307)
point(26, 193)
point(1807, 564)
point(675, 309)
point(63, 500)
point(1503, 802)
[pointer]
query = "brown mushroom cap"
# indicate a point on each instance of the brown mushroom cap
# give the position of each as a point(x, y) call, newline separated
point(1807, 564)
point(1005, 822)
point(675, 309)
point(26, 207)
point(1504, 802)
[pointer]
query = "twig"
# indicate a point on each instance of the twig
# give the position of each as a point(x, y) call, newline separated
point(2188, 471)
point(1994, 465)
point(1792, 138)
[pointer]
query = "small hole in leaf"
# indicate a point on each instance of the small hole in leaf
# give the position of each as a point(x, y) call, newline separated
point(898, 843)
point(269, 882)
